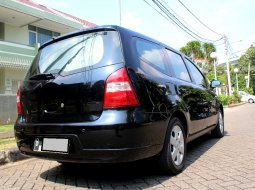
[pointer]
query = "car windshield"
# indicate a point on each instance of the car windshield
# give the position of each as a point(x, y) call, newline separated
point(242, 93)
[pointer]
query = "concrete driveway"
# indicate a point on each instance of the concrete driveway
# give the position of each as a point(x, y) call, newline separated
point(228, 163)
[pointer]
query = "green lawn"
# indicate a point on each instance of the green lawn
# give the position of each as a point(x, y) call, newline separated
point(8, 143)
point(6, 128)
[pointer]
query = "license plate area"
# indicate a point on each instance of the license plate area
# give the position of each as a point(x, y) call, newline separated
point(51, 144)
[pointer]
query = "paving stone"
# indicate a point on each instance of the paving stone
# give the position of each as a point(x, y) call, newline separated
point(247, 185)
point(211, 164)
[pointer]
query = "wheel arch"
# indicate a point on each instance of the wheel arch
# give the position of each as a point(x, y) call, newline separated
point(182, 117)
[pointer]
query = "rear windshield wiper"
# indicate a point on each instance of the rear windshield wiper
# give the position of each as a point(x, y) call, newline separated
point(42, 76)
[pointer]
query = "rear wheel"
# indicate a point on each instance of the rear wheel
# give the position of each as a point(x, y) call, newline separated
point(218, 131)
point(173, 155)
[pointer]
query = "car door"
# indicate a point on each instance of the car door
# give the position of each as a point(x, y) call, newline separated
point(208, 98)
point(189, 94)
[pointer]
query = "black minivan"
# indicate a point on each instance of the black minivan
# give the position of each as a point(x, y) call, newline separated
point(108, 94)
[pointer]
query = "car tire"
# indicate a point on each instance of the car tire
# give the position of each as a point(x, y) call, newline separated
point(173, 156)
point(218, 131)
point(251, 100)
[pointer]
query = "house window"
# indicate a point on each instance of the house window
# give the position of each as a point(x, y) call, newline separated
point(32, 38)
point(40, 35)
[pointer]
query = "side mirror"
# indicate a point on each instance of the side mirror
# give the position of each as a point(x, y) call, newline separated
point(215, 83)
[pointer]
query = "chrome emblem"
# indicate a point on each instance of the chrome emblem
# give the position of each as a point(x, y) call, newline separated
point(37, 141)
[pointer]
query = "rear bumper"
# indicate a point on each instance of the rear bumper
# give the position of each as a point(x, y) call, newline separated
point(117, 136)
point(98, 155)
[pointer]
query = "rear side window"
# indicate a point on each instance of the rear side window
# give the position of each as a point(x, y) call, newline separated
point(78, 53)
point(178, 66)
point(151, 54)
point(196, 74)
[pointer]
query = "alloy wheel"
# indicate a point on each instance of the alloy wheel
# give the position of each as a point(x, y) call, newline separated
point(177, 145)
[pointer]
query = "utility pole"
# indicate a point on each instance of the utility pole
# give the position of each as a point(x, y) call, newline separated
point(227, 62)
point(214, 56)
point(236, 70)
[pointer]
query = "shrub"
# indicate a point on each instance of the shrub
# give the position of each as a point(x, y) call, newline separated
point(235, 98)
point(224, 99)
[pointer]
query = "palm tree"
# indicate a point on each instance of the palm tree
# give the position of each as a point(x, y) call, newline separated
point(208, 49)
point(193, 49)
point(199, 52)
point(185, 51)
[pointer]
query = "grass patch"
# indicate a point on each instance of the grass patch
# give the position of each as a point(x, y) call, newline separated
point(7, 143)
point(6, 128)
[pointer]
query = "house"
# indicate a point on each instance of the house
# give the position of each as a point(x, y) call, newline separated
point(24, 26)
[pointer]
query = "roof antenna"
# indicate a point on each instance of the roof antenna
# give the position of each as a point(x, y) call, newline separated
point(119, 2)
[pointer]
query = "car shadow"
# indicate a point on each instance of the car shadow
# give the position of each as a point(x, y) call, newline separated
point(142, 174)
point(199, 146)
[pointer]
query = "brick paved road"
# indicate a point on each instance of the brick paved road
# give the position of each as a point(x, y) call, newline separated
point(228, 163)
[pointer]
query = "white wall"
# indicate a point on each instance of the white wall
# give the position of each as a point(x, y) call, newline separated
point(13, 78)
point(15, 74)
point(16, 34)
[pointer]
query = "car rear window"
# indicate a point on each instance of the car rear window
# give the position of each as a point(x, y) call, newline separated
point(78, 53)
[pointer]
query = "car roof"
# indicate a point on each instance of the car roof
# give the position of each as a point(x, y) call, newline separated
point(120, 29)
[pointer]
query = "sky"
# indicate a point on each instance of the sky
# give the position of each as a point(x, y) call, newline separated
point(234, 18)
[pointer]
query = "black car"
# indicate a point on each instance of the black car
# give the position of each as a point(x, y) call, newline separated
point(108, 94)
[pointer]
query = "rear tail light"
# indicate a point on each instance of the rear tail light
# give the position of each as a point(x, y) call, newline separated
point(18, 102)
point(119, 91)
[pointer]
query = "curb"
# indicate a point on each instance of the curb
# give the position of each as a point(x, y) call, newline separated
point(4, 135)
point(11, 155)
point(234, 105)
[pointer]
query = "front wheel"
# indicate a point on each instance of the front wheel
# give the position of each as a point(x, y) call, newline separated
point(218, 131)
point(173, 156)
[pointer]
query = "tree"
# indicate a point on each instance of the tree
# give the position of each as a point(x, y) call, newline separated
point(199, 52)
point(193, 49)
point(208, 48)
point(243, 62)
point(185, 51)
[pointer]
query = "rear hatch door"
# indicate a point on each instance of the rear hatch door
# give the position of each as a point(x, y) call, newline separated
point(65, 82)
